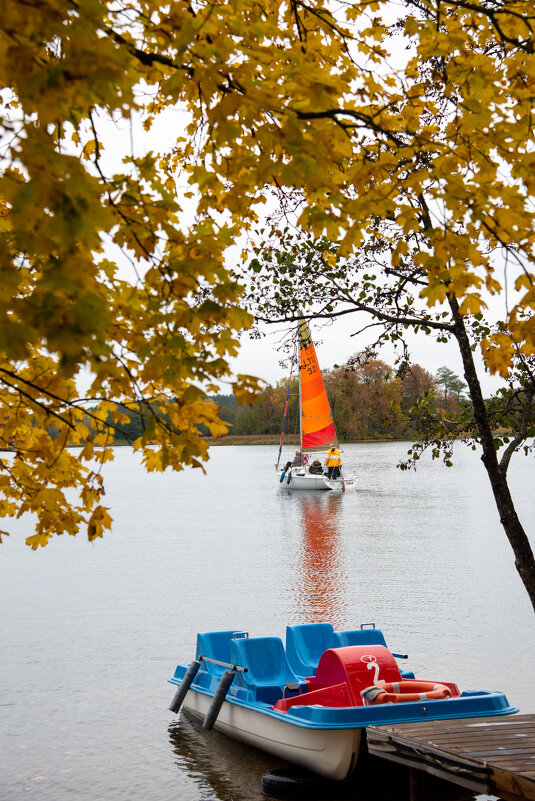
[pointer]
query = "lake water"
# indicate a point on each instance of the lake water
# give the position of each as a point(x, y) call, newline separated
point(91, 632)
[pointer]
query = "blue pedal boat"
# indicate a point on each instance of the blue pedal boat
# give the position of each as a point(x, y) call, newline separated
point(310, 702)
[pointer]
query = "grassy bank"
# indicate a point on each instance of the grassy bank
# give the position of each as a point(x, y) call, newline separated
point(273, 439)
point(253, 439)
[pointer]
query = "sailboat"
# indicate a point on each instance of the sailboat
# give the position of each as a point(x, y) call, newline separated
point(317, 432)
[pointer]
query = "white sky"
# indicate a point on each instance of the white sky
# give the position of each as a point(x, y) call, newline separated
point(334, 345)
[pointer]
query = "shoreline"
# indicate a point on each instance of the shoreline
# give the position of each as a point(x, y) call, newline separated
point(273, 439)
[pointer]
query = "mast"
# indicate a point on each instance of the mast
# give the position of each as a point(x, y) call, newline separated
point(300, 410)
point(285, 415)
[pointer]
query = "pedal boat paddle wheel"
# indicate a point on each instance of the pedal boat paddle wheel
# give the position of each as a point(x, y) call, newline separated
point(311, 701)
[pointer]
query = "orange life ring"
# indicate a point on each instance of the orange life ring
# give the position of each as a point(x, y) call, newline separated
point(400, 691)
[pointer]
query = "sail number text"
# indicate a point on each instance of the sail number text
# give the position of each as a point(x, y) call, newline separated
point(309, 365)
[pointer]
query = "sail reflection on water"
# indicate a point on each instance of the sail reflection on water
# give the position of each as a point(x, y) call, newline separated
point(320, 588)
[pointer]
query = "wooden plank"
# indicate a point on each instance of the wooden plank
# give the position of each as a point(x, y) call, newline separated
point(416, 785)
point(466, 773)
point(440, 727)
point(376, 736)
point(506, 784)
point(523, 733)
point(504, 745)
point(514, 762)
point(477, 784)
point(484, 754)
point(468, 739)
point(502, 751)
point(471, 771)
point(464, 730)
point(482, 742)
point(498, 720)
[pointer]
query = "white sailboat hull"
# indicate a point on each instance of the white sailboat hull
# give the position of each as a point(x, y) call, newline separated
point(303, 480)
point(329, 752)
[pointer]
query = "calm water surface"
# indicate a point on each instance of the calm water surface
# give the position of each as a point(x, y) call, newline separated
point(91, 632)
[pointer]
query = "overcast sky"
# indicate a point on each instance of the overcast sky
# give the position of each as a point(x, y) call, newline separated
point(334, 345)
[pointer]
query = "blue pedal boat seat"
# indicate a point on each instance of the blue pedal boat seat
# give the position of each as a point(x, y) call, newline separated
point(306, 643)
point(366, 637)
point(268, 669)
point(216, 645)
point(360, 637)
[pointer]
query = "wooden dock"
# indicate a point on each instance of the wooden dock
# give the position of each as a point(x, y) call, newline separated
point(487, 755)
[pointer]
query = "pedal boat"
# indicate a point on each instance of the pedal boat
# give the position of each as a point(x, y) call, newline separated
point(310, 703)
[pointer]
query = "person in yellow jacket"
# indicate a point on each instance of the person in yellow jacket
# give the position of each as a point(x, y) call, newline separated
point(333, 462)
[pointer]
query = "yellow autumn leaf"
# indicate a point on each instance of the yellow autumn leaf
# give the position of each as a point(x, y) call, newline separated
point(472, 304)
point(38, 540)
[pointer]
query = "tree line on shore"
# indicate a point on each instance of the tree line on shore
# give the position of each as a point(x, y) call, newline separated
point(369, 400)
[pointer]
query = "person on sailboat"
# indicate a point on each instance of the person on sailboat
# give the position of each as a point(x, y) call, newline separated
point(333, 462)
point(297, 459)
point(316, 468)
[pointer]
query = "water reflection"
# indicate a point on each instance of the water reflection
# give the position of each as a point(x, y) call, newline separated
point(320, 581)
point(221, 769)
point(230, 770)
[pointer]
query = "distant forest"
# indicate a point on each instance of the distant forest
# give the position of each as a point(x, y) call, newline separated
point(369, 401)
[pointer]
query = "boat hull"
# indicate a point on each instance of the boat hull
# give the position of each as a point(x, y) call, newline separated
point(301, 480)
point(332, 753)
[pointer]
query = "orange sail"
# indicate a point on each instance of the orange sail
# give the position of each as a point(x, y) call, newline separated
point(317, 425)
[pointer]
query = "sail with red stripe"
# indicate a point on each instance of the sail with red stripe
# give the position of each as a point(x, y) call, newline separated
point(317, 424)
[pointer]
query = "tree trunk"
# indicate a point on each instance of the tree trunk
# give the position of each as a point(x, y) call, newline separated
point(524, 559)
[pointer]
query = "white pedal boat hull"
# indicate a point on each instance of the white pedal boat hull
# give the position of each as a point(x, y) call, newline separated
point(330, 752)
